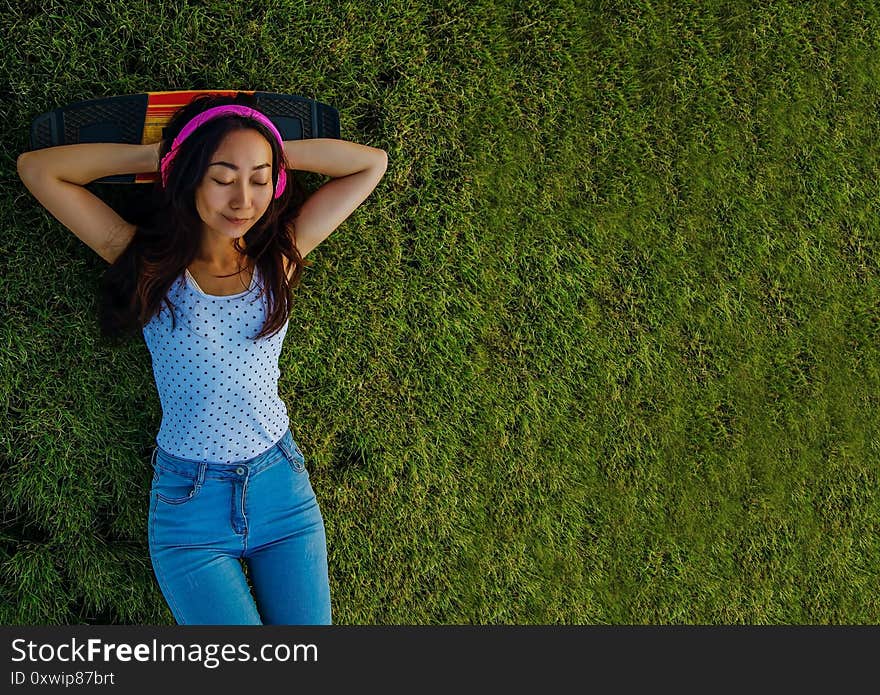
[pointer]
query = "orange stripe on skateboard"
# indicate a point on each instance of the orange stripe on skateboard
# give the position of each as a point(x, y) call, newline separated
point(184, 97)
point(161, 106)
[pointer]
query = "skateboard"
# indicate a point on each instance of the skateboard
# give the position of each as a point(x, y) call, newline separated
point(140, 119)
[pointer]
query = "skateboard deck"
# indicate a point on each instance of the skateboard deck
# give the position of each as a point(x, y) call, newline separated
point(140, 119)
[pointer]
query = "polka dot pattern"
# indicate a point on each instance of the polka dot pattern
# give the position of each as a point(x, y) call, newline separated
point(217, 386)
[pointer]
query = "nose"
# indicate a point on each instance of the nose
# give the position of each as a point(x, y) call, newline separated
point(241, 197)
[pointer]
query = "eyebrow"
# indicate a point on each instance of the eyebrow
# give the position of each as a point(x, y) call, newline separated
point(232, 166)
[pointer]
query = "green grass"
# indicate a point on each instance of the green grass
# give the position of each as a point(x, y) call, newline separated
point(602, 347)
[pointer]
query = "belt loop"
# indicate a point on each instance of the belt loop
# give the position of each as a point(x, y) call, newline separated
point(153, 458)
point(201, 476)
point(282, 443)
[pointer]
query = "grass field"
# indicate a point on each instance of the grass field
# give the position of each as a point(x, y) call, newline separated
point(602, 347)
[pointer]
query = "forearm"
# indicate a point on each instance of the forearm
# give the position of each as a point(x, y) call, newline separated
point(331, 157)
point(84, 162)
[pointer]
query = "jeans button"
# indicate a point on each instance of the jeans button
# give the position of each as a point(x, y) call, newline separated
point(239, 470)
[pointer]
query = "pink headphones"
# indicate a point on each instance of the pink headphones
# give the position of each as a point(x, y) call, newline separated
point(210, 115)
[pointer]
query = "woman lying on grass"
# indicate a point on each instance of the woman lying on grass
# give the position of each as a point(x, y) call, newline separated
point(208, 281)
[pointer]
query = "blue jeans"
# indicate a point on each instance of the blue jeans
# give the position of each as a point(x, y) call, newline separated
point(206, 518)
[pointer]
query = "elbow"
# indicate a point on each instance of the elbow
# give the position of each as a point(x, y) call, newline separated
point(22, 165)
point(382, 159)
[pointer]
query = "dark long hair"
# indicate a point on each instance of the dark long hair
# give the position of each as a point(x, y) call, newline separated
point(166, 243)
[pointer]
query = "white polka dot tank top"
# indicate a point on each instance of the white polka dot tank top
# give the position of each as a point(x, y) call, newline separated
point(218, 388)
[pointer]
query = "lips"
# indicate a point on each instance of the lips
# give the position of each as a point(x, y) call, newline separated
point(234, 219)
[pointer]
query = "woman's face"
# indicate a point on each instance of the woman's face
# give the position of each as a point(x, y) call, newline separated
point(238, 188)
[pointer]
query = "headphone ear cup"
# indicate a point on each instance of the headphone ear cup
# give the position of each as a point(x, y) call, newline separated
point(282, 182)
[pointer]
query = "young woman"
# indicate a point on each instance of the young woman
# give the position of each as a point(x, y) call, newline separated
point(208, 282)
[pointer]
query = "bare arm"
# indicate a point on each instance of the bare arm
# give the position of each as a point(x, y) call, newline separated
point(85, 162)
point(355, 171)
point(332, 157)
point(56, 177)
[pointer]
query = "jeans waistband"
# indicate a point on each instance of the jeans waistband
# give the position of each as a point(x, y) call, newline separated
point(220, 471)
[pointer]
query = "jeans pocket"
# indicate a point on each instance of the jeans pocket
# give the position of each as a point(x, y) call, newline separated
point(295, 458)
point(172, 487)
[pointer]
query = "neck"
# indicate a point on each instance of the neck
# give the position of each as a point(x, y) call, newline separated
point(221, 268)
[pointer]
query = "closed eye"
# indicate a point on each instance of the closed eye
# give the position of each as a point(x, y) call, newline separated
point(229, 183)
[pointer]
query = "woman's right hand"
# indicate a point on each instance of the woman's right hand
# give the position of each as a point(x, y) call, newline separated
point(155, 148)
